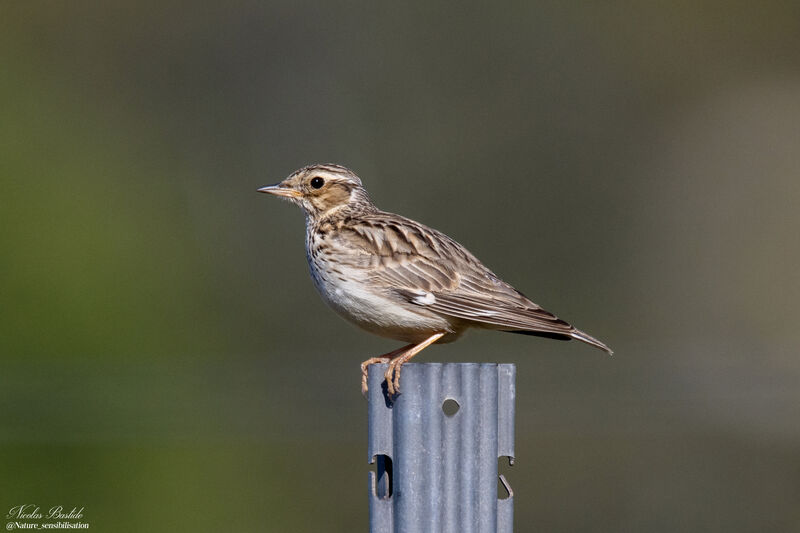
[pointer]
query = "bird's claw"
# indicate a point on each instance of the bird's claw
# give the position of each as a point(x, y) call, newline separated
point(365, 372)
point(393, 379)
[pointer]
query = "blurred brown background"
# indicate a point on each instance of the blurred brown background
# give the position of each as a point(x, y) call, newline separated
point(167, 365)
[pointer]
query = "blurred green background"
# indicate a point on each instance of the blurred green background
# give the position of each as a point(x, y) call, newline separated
point(633, 167)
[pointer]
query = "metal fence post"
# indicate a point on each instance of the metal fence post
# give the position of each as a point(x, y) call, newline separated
point(437, 460)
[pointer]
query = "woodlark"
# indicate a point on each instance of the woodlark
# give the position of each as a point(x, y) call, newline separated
point(400, 279)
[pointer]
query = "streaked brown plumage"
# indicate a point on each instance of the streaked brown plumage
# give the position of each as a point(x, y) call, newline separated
point(400, 279)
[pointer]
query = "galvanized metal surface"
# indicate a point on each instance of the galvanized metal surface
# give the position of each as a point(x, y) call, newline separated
point(438, 473)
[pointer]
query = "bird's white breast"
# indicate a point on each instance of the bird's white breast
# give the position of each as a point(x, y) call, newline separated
point(350, 292)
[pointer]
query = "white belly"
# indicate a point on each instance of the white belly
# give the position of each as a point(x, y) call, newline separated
point(375, 310)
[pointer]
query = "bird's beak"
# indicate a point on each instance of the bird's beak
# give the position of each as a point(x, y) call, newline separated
point(279, 190)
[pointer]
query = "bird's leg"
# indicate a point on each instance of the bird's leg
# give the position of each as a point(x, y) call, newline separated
point(385, 358)
point(393, 373)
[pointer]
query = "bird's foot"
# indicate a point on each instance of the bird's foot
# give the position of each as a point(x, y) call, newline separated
point(393, 376)
point(365, 372)
point(396, 364)
point(396, 359)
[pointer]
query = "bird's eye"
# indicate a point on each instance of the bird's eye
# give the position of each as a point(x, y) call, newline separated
point(317, 182)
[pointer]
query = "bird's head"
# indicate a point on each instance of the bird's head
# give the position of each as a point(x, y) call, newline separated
point(322, 189)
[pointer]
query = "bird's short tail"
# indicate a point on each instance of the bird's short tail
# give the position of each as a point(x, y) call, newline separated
point(588, 339)
point(566, 336)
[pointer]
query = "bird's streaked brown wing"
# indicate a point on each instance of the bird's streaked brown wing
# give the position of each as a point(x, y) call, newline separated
point(429, 269)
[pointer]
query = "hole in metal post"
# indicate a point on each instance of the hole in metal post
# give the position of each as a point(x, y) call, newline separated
point(383, 477)
point(450, 407)
point(504, 490)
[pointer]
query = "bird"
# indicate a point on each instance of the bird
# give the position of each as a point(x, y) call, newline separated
point(400, 279)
